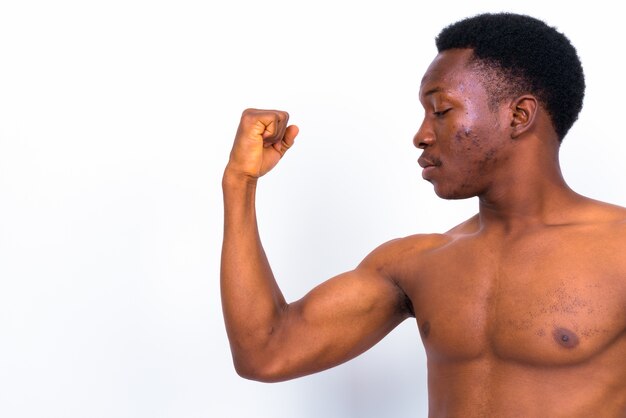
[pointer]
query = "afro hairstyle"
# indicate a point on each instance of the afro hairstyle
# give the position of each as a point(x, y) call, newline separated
point(519, 54)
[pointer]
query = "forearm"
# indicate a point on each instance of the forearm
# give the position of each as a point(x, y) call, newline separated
point(251, 300)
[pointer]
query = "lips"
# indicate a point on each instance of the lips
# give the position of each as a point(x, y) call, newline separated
point(428, 164)
point(427, 161)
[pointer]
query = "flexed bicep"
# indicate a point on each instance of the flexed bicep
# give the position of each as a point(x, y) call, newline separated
point(335, 322)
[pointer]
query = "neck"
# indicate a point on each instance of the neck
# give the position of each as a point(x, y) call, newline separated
point(531, 192)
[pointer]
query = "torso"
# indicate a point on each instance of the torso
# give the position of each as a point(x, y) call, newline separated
point(524, 325)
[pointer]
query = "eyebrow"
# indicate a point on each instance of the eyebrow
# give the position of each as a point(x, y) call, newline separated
point(433, 91)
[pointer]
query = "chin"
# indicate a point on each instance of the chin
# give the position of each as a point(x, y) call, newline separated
point(453, 193)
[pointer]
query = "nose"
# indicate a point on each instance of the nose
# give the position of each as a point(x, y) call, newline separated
point(424, 136)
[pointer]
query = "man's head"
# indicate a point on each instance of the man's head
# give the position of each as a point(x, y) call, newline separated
point(517, 54)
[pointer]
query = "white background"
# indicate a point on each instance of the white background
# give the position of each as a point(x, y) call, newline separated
point(116, 120)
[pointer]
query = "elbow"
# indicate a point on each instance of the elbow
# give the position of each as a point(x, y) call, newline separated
point(259, 371)
point(255, 374)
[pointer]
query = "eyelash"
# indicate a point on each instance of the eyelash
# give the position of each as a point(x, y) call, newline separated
point(441, 113)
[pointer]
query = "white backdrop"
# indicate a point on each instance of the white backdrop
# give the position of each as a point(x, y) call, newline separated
point(116, 120)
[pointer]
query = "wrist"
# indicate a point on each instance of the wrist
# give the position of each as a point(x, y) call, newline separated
point(236, 179)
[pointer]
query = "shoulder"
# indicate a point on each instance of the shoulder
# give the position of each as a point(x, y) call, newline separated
point(615, 225)
point(616, 216)
point(605, 217)
point(410, 249)
point(597, 231)
point(608, 212)
point(397, 262)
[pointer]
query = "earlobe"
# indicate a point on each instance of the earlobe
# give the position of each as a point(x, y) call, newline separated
point(523, 113)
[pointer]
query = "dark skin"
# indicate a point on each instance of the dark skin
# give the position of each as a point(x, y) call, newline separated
point(521, 308)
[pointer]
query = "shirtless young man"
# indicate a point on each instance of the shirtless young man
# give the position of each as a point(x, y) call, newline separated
point(521, 308)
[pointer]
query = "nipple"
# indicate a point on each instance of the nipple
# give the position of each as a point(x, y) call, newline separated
point(565, 338)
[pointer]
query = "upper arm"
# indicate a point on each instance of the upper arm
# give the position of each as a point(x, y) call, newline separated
point(336, 321)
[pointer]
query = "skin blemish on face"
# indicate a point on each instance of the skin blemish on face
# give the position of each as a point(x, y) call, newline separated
point(465, 134)
point(565, 338)
point(489, 155)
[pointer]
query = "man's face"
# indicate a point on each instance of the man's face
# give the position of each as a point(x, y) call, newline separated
point(462, 137)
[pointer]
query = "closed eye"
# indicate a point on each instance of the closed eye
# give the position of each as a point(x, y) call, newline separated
point(440, 113)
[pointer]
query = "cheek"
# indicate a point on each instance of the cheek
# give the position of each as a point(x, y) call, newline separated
point(476, 150)
point(468, 145)
point(466, 139)
point(477, 140)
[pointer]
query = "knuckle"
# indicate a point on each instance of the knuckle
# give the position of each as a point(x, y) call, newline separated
point(249, 116)
point(267, 117)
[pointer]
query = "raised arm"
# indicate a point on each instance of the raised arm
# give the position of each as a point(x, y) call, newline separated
point(271, 340)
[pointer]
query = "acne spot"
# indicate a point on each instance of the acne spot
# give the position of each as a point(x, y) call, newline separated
point(489, 155)
point(464, 134)
point(425, 329)
point(565, 338)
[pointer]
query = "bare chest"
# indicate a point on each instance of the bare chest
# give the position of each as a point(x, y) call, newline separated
point(526, 303)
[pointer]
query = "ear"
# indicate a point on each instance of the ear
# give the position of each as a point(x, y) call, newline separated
point(523, 114)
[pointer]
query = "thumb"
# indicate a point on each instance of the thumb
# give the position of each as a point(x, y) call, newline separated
point(288, 139)
point(290, 135)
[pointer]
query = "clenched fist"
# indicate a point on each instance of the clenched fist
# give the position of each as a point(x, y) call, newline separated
point(262, 139)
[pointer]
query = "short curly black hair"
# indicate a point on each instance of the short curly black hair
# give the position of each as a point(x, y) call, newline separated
point(522, 54)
